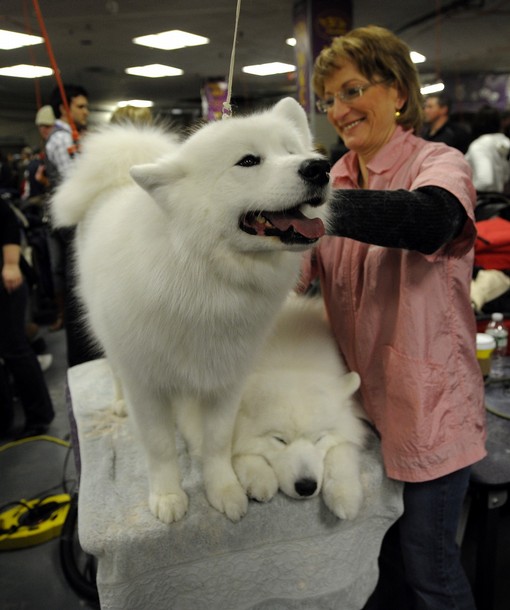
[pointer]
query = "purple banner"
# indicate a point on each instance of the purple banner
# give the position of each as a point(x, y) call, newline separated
point(316, 23)
point(214, 93)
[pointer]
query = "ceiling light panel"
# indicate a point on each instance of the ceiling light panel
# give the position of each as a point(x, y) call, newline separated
point(417, 58)
point(136, 103)
point(434, 88)
point(14, 40)
point(268, 69)
point(173, 39)
point(154, 71)
point(26, 71)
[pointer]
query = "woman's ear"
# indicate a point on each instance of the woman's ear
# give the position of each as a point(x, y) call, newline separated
point(401, 100)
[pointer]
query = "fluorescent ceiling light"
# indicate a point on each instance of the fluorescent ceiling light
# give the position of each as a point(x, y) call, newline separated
point(417, 58)
point(435, 88)
point(173, 39)
point(291, 42)
point(274, 67)
point(26, 71)
point(136, 103)
point(154, 71)
point(13, 40)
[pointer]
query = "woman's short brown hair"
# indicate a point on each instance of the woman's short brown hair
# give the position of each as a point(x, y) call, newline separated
point(379, 55)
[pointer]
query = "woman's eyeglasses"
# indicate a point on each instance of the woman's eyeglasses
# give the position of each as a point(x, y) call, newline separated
point(346, 95)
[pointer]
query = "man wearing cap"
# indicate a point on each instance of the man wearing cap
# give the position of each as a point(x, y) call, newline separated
point(45, 120)
point(36, 180)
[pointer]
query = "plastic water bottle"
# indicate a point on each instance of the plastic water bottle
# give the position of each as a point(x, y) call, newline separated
point(497, 329)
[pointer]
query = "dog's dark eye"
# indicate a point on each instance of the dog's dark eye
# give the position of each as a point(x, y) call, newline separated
point(280, 440)
point(249, 161)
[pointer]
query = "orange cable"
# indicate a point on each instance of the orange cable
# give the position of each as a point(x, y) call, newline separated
point(56, 71)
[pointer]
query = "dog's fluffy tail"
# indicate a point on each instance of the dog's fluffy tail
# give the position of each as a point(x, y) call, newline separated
point(103, 164)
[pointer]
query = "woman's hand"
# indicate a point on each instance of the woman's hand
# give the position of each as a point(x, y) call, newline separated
point(11, 276)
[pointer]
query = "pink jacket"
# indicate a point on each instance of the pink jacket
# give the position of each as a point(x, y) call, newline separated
point(403, 320)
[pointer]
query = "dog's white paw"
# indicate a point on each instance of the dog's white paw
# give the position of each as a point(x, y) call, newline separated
point(168, 507)
point(257, 477)
point(228, 499)
point(263, 488)
point(343, 500)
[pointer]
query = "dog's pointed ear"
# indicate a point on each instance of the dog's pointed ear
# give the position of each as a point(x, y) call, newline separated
point(289, 109)
point(351, 382)
point(150, 176)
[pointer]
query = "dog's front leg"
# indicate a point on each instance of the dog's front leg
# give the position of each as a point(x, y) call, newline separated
point(341, 488)
point(155, 426)
point(222, 488)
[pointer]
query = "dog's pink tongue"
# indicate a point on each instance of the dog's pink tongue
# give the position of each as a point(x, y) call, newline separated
point(312, 228)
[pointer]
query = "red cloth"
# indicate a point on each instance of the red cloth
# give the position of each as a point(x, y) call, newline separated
point(492, 247)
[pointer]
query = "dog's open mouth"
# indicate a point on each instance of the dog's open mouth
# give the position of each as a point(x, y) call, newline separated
point(290, 226)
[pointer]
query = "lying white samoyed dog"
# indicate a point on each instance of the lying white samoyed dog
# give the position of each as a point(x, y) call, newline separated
point(185, 253)
point(299, 428)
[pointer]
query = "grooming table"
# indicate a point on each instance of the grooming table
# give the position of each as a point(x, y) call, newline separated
point(286, 554)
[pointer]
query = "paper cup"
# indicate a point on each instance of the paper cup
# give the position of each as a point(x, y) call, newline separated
point(485, 345)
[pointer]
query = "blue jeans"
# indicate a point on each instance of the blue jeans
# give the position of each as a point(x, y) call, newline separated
point(420, 567)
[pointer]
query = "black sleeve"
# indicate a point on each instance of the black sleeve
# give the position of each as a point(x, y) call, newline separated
point(9, 228)
point(422, 220)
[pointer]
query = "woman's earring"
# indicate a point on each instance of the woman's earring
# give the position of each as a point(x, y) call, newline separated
point(397, 113)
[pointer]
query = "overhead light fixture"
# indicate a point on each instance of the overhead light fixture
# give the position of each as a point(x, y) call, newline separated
point(274, 67)
point(26, 71)
point(173, 39)
point(135, 103)
point(291, 42)
point(14, 40)
point(417, 58)
point(154, 71)
point(435, 88)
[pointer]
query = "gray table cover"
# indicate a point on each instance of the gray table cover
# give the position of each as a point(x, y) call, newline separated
point(286, 554)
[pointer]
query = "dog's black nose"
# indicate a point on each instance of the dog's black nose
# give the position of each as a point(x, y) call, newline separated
point(305, 487)
point(315, 171)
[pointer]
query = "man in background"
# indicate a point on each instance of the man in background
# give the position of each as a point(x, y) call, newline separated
point(440, 128)
point(61, 150)
point(60, 146)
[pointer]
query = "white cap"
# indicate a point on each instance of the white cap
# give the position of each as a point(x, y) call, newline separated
point(45, 116)
point(484, 341)
point(497, 316)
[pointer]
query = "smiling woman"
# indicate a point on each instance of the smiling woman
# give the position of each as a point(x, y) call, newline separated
point(395, 274)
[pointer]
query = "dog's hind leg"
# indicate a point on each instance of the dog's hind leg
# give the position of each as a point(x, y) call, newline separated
point(222, 487)
point(155, 426)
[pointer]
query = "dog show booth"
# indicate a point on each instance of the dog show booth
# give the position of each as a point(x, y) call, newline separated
point(286, 554)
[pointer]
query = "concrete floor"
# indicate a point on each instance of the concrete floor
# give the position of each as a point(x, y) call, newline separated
point(33, 578)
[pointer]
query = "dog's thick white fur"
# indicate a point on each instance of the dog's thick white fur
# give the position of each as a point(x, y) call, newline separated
point(299, 428)
point(184, 260)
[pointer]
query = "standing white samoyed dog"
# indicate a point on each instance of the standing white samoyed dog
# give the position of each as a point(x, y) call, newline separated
point(299, 428)
point(185, 253)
